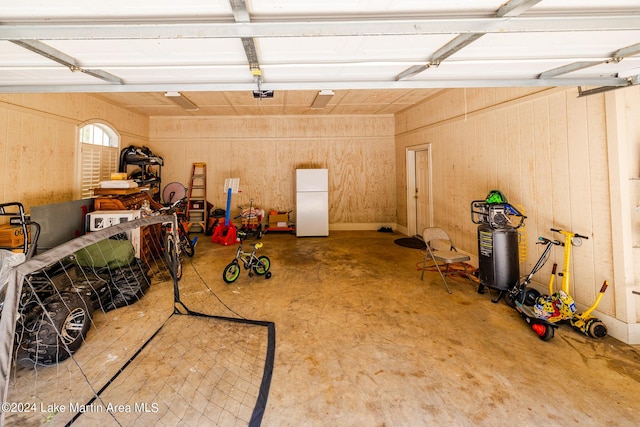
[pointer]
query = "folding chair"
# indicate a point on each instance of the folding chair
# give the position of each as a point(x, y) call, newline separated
point(442, 252)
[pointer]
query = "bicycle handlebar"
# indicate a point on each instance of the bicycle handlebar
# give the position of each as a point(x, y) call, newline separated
point(173, 205)
point(545, 241)
point(556, 230)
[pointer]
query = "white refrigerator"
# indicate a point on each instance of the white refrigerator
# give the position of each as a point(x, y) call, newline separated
point(312, 202)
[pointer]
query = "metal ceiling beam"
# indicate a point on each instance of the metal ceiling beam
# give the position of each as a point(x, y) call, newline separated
point(511, 8)
point(103, 75)
point(313, 85)
point(631, 81)
point(569, 68)
point(453, 46)
point(617, 56)
point(48, 52)
point(310, 28)
point(516, 7)
point(632, 50)
point(62, 58)
point(241, 14)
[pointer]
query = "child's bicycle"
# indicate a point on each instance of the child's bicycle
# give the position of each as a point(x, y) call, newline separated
point(259, 265)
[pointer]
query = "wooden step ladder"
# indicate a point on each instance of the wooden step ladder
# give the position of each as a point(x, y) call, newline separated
point(197, 199)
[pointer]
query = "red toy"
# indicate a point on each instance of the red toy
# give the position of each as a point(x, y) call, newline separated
point(226, 233)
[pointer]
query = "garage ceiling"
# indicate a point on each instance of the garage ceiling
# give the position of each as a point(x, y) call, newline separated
point(375, 56)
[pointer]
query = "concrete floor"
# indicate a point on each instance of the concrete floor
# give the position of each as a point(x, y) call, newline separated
point(361, 341)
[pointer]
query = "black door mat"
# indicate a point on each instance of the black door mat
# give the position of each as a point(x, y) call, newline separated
point(411, 242)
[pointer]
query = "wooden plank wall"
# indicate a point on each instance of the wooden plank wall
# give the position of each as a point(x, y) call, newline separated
point(38, 143)
point(631, 102)
point(545, 149)
point(265, 151)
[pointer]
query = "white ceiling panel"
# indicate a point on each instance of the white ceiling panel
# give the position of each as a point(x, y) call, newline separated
point(25, 76)
point(570, 45)
point(12, 56)
point(296, 47)
point(584, 6)
point(349, 50)
point(197, 74)
point(340, 8)
point(105, 53)
point(114, 9)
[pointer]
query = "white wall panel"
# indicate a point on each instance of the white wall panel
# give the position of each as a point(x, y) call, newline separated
point(545, 151)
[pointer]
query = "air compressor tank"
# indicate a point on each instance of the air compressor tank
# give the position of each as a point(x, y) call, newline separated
point(499, 266)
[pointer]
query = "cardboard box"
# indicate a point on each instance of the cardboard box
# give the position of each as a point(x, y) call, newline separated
point(12, 236)
point(279, 218)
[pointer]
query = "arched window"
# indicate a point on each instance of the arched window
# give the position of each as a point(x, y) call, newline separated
point(99, 156)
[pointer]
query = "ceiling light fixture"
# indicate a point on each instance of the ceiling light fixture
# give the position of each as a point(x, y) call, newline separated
point(322, 99)
point(182, 101)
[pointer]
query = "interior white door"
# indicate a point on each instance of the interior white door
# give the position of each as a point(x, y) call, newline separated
point(422, 191)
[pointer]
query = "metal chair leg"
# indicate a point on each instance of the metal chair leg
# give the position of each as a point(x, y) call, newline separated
point(437, 266)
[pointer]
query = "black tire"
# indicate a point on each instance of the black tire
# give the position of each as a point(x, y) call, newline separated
point(187, 246)
point(60, 329)
point(263, 265)
point(530, 297)
point(547, 334)
point(173, 260)
point(231, 272)
point(596, 329)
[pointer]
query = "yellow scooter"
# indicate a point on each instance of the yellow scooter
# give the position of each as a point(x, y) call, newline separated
point(559, 306)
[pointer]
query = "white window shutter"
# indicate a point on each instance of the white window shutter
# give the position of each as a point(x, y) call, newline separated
point(98, 162)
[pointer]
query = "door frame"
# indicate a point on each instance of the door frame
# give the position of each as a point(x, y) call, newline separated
point(411, 187)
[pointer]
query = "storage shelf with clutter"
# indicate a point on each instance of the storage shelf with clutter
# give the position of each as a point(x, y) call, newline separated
point(280, 221)
point(148, 172)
